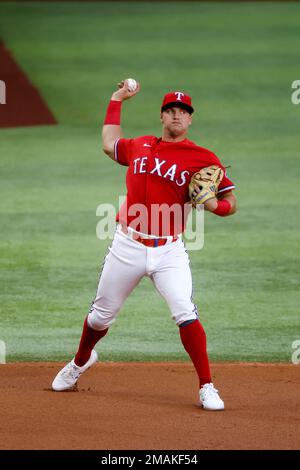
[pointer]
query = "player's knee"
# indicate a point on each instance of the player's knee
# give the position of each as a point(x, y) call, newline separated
point(99, 320)
point(185, 318)
point(184, 313)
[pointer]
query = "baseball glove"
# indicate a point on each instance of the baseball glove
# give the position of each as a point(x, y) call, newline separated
point(207, 180)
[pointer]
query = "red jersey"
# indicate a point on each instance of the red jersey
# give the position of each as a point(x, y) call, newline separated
point(158, 175)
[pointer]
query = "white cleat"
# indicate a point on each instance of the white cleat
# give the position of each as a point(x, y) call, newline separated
point(67, 378)
point(209, 398)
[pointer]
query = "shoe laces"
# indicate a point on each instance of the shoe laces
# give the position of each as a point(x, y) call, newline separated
point(209, 389)
point(71, 372)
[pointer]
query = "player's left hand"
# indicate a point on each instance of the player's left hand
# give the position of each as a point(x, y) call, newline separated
point(204, 184)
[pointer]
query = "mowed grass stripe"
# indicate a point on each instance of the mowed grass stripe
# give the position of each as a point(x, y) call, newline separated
point(238, 62)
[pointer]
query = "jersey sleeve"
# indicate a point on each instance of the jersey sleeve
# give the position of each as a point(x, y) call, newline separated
point(123, 150)
point(226, 183)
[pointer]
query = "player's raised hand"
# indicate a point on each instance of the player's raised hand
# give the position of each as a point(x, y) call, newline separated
point(126, 89)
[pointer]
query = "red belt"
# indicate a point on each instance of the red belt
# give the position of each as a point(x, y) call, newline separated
point(152, 242)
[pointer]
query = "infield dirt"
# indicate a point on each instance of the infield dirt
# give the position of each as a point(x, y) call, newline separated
point(24, 104)
point(150, 406)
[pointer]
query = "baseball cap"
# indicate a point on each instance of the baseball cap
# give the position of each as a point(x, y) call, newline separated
point(177, 98)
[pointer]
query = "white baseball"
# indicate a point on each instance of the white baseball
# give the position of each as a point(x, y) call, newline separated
point(132, 84)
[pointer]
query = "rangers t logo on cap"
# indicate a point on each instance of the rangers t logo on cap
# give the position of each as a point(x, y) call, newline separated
point(178, 94)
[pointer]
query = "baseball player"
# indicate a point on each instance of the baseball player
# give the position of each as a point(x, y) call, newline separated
point(159, 172)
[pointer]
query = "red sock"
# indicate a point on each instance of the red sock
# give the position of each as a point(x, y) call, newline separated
point(88, 340)
point(193, 338)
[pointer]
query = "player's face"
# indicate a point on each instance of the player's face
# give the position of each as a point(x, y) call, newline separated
point(176, 121)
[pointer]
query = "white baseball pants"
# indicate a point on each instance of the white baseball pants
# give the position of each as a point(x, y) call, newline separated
point(127, 262)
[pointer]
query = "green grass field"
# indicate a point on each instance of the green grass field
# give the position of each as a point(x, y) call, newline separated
point(238, 62)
